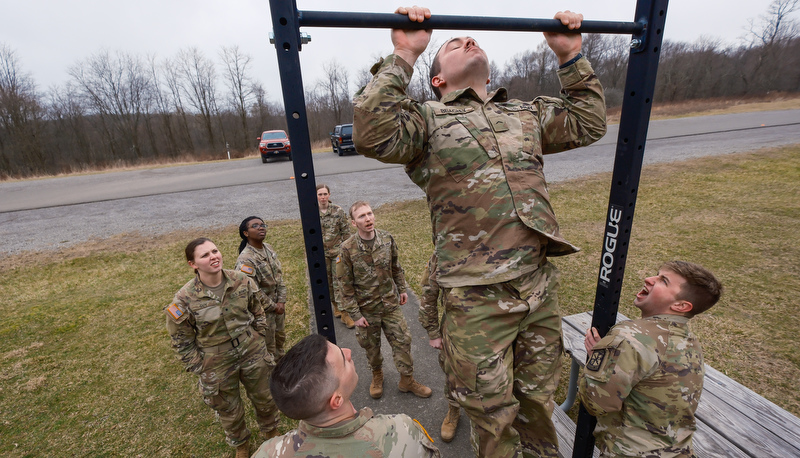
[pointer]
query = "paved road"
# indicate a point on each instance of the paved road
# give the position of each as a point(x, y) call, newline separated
point(157, 201)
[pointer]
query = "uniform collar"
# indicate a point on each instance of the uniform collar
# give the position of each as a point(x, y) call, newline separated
point(498, 95)
point(670, 317)
point(341, 429)
point(199, 287)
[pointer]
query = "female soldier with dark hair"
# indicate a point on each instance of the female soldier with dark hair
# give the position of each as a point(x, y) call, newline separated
point(259, 261)
point(217, 325)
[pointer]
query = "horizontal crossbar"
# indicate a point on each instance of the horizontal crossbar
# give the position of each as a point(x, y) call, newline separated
point(398, 21)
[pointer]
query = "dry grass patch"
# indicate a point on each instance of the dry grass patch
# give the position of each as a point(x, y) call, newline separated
point(88, 369)
point(717, 106)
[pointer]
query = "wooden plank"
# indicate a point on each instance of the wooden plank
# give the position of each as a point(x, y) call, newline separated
point(746, 432)
point(747, 403)
point(565, 429)
point(709, 443)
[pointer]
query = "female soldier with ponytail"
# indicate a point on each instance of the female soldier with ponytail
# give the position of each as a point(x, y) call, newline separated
point(259, 261)
point(217, 324)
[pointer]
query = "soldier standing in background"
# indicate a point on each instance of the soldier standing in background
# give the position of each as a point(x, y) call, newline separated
point(313, 383)
point(259, 261)
point(373, 289)
point(479, 158)
point(643, 380)
point(429, 319)
point(335, 230)
point(218, 328)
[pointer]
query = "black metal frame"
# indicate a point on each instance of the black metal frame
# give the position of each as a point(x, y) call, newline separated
point(647, 33)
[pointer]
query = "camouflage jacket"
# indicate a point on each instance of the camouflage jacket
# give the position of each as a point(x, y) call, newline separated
point(643, 382)
point(335, 229)
point(198, 319)
point(265, 270)
point(481, 165)
point(429, 301)
point(365, 436)
point(370, 279)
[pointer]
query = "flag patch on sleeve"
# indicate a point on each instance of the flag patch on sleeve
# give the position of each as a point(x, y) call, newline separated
point(247, 269)
point(174, 311)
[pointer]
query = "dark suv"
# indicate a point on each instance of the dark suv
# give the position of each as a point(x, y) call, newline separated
point(274, 143)
point(342, 139)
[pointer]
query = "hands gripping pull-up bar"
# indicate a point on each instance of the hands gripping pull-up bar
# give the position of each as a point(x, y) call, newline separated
point(647, 33)
point(441, 22)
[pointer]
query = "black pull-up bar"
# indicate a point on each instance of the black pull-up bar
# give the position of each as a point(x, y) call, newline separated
point(647, 30)
point(505, 24)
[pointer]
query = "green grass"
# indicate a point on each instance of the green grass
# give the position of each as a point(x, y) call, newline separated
point(87, 368)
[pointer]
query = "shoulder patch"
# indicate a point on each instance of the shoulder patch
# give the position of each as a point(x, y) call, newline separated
point(247, 269)
point(596, 359)
point(338, 259)
point(175, 311)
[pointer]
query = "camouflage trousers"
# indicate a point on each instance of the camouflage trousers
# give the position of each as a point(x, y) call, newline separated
point(447, 394)
point(276, 344)
point(394, 327)
point(251, 364)
point(333, 283)
point(502, 348)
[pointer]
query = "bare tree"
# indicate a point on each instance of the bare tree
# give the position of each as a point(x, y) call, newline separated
point(420, 87)
point(336, 90)
point(240, 86)
point(68, 114)
point(20, 117)
point(173, 79)
point(198, 79)
point(116, 88)
point(162, 104)
point(775, 26)
point(772, 35)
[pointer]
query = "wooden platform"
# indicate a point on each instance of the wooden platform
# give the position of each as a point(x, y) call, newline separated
point(732, 420)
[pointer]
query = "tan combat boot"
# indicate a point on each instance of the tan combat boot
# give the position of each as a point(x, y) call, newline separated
point(267, 435)
point(407, 383)
point(243, 451)
point(336, 312)
point(347, 320)
point(450, 423)
point(376, 387)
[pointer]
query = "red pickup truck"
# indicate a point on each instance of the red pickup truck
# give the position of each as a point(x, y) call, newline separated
point(274, 143)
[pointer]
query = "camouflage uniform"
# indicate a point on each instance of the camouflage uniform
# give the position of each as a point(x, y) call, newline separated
point(335, 230)
point(222, 341)
point(643, 382)
point(265, 269)
point(429, 315)
point(371, 281)
point(365, 436)
point(480, 165)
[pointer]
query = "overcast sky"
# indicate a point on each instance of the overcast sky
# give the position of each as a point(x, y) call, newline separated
point(51, 36)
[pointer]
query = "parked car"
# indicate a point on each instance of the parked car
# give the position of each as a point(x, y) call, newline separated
point(274, 143)
point(342, 139)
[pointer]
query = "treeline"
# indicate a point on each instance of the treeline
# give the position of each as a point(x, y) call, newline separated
point(121, 108)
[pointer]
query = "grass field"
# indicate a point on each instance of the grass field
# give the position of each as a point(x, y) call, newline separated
point(87, 367)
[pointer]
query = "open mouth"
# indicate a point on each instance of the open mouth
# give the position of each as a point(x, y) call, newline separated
point(642, 294)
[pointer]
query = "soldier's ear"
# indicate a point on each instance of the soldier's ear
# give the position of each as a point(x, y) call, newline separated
point(683, 307)
point(336, 400)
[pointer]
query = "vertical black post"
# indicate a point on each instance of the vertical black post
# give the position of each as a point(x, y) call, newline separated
point(635, 117)
point(288, 44)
